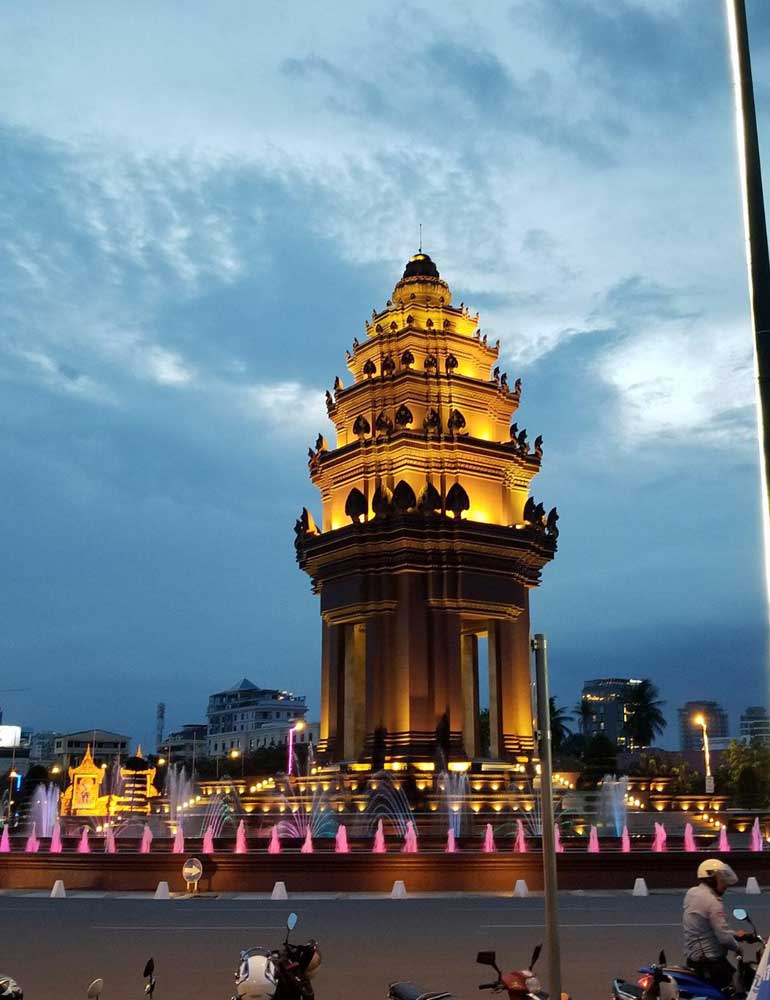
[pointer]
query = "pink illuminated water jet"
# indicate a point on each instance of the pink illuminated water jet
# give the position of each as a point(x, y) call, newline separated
point(241, 847)
point(489, 841)
point(756, 836)
point(451, 843)
point(55, 845)
point(724, 843)
point(557, 844)
point(83, 846)
point(520, 844)
point(625, 841)
point(178, 847)
point(689, 838)
point(110, 847)
point(659, 841)
point(341, 840)
point(274, 847)
point(380, 846)
point(307, 845)
point(208, 840)
point(33, 844)
point(146, 845)
point(5, 842)
point(593, 841)
point(410, 839)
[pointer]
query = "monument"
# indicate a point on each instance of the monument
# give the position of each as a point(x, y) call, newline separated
point(428, 541)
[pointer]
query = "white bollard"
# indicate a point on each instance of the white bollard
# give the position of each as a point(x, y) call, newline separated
point(399, 890)
point(521, 889)
point(640, 888)
point(752, 886)
point(58, 891)
point(162, 891)
point(279, 891)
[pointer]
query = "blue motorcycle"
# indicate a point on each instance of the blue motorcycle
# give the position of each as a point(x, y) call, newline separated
point(674, 982)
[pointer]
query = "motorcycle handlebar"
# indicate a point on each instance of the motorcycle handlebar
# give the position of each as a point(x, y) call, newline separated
point(487, 986)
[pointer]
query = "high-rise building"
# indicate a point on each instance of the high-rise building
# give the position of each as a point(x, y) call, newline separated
point(755, 725)
point(428, 540)
point(609, 699)
point(691, 732)
point(246, 717)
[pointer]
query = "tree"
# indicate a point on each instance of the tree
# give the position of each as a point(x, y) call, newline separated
point(599, 758)
point(646, 719)
point(745, 775)
point(584, 715)
point(560, 730)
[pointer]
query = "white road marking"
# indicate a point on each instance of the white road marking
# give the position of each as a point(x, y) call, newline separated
point(188, 927)
point(584, 924)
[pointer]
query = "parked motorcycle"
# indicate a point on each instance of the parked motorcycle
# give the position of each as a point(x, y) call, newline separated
point(673, 982)
point(282, 973)
point(10, 989)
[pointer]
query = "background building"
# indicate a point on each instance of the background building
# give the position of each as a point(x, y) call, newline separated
point(607, 703)
point(691, 735)
point(246, 717)
point(106, 747)
point(186, 744)
point(42, 746)
point(755, 725)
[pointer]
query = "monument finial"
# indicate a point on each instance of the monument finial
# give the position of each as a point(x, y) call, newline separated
point(419, 249)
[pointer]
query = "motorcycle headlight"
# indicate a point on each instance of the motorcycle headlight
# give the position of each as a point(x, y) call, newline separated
point(533, 984)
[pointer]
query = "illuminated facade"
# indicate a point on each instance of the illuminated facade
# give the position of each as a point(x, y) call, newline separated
point(428, 540)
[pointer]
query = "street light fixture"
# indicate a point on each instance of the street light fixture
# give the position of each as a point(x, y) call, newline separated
point(296, 728)
point(700, 720)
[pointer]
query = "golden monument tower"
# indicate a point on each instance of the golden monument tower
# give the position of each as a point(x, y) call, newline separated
point(429, 539)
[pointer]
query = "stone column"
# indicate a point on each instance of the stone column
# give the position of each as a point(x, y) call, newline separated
point(355, 691)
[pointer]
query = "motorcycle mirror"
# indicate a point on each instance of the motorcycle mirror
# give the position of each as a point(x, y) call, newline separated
point(487, 958)
point(740, 914)
point(535, 956)
point(662, 958)
point(291, 921)
point(95, 989)
point(149, 968)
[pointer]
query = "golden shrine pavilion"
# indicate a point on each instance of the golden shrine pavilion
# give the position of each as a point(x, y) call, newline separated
point(429, 539)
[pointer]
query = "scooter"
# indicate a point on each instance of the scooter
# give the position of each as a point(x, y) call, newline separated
point(282, 973)
point(673, 982)
point(520, 984)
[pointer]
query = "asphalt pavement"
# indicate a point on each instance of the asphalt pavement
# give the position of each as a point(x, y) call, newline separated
point(56, 947)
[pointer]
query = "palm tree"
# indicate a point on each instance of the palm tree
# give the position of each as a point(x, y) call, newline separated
point(584, 715)
point(645, 716)
point(560, 729)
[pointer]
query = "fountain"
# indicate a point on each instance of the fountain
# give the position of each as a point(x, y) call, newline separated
point(520, 844)
point(274, 846)
point(307, 844)
point(110, 847)
point(83, 846)
point(756, 836)
point(146, 845)
point(689, 839)
point(612, 803)
point(309, 811)
point(208, 840)
point(724, 843)
point(44, 809)
point(379, 840)
point(593, 841)
point(241, 847)
point(33, 844)
point(55, 846)
point(5, 842)
point(625, 841)
point(659, 840)
point(179, 790)
point(178, 847)
point(341, 841)
point(451, 845)
point(489, 840)
point(389, 801)
point(455, 789)
point(410, 839)
point(557, 844)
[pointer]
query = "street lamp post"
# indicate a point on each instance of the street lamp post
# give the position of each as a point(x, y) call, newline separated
point(11, 775)
point(296, 728)
point(700, 720)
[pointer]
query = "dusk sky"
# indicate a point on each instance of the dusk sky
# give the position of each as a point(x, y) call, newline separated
point(200, 204)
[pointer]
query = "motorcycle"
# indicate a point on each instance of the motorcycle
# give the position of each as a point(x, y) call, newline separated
point(282, 973)
point(673, 982)
point(520, 984)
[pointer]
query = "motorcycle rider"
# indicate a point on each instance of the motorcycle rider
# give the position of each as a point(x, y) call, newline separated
point(707, 937)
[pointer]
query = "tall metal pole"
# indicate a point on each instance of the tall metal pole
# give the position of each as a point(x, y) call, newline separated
point(756, 236)
point(540, 647)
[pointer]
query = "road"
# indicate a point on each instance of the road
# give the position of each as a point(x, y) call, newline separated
point(55, 947)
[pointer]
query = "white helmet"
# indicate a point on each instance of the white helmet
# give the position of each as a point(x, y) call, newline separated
point(707, 869)
point(255, 978)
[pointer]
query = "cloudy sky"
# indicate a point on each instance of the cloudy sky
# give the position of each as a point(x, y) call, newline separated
point(199, 206)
